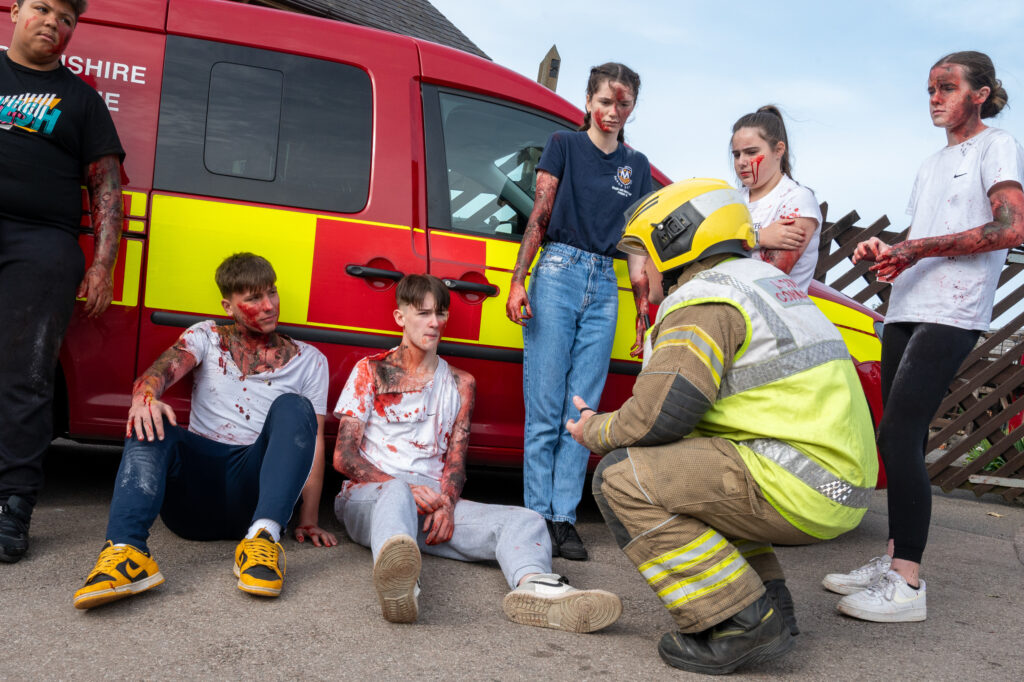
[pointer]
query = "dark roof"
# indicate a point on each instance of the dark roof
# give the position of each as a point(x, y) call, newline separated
point(415, 18)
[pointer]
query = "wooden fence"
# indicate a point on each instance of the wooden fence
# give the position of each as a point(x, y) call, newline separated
point(975, 442)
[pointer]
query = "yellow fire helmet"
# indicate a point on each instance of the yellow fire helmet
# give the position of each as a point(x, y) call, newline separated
point(687, 221)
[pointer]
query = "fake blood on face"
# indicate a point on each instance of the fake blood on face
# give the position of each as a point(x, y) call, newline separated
point(755, 167)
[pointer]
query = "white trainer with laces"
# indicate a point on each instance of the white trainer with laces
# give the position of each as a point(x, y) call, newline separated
point(859, 578)
point(890, 600)
point(546, 600)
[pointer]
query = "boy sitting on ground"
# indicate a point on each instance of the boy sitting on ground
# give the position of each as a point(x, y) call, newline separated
point(402, 442)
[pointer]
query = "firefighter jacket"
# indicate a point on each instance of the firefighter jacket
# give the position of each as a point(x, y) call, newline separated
point(739, 351)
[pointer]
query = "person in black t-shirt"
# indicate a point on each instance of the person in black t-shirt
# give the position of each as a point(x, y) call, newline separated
point(55, 135)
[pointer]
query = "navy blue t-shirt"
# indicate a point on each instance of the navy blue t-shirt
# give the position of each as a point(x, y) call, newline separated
point(594, 190)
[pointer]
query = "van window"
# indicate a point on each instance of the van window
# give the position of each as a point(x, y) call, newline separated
point(241, 139)
point(279, 128)
point(490, 153)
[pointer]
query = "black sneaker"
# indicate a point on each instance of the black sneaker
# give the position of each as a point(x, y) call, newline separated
point(551, 534)
point(15, 515)
point(568, 541)
point(755, 634)
point(782, 600)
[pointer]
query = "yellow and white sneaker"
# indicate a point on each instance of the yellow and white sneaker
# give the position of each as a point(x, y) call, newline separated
point(259, 565)
point(120, 572)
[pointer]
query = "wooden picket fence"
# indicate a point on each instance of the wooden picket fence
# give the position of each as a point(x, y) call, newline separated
point(975, 442)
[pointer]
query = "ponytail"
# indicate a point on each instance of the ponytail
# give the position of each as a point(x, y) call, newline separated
point(616, 73)
point(768, 120)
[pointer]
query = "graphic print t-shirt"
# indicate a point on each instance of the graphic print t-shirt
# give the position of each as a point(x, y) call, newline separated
point(52, 125)
point(594, 190)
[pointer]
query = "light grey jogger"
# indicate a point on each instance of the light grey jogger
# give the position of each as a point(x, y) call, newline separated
point(514, 536)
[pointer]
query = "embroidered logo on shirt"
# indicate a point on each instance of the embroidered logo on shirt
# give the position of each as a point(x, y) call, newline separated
point(623, 181)
point(28, 111)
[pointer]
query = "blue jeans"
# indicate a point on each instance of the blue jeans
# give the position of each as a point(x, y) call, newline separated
point(205, 490)
point(566, 348)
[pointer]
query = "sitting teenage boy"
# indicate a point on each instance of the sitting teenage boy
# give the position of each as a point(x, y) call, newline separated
point(254, 443)
point(402, 442)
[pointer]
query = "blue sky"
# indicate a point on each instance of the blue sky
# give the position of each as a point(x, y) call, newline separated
point(850, 78)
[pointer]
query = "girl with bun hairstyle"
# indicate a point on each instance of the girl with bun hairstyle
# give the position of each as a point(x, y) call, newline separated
point(967, 208)
point(786, 216)
point(585, 182)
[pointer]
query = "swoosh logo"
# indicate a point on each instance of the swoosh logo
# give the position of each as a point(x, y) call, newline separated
point(959, 176)
point(131, 569)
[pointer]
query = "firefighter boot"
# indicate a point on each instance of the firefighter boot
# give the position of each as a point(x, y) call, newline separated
point(755, 634)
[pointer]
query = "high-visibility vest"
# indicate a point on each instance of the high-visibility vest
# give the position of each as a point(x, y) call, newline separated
point(791, 401)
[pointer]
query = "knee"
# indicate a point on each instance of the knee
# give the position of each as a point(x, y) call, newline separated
point(529, 522)
point(397, 492)
point(612, 458)
point(143, 465)
point(292, 406)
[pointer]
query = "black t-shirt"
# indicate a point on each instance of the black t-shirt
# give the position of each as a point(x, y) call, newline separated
point(52, 125)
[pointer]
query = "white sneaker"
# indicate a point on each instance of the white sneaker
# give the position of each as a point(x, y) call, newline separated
point(396, 575)
point(546, 600)
point(890, 600)
point(859, 578)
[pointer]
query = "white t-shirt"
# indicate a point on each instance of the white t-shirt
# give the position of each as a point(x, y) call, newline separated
point(951, 195)
point(788, 199)
point(230, 407)
point(405, 432)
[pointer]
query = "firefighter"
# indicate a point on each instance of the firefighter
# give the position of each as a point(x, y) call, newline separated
point(747, 426)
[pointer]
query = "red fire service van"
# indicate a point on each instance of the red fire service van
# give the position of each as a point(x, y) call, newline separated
point(348, 157)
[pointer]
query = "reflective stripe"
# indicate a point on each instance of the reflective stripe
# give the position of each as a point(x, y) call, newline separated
point(783, 337)
point(811, 473)
point(702, 345)
point(679, 560)
point(745, 378)
point(724, 572)
point(749, 548)
point(709, 202)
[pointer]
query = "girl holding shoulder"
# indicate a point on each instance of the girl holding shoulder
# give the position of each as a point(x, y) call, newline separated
point(787, 219)
point(585, 182)
point(968, 208)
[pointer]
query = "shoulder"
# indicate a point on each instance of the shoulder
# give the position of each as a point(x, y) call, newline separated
point(462, 378)
point(1000, 139)
point(310, 354)
point(201, 331)
point(635, 157)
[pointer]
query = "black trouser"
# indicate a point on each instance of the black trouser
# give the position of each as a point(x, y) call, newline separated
point(40, 267)
point(919, 361)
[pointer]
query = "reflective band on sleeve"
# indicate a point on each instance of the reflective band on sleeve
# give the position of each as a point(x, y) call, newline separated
point(721, 574)
point(811, 473)
point(783, 337)
point(745, 378)
point(702, 345)
point(680, 559)
point(749, 548)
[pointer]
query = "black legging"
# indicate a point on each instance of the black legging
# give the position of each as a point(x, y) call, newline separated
point(919, 361)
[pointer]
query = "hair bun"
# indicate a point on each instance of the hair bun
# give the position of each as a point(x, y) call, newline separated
point(997, 99)
point(770, 109)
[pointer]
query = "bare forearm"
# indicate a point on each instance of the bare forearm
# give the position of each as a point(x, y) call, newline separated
point(453, 476)
point(173, 363)
point(103, 180)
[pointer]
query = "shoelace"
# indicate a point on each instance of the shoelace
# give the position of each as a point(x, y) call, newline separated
point(885, 586)
point(261, 551)
point(109, 559)
point(872, 566)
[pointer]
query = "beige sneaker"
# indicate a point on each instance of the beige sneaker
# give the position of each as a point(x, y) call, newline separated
point(545, 600)
point(396, 575)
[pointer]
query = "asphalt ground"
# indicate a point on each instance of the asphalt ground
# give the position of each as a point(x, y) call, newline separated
point(327, 624)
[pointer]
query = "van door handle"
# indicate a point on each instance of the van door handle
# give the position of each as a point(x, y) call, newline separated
point(475, 287)
point(373, 273)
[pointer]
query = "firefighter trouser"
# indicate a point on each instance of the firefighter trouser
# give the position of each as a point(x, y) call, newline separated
point(694, 521)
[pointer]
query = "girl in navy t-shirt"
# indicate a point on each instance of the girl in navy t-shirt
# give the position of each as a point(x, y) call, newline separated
point(585, 182)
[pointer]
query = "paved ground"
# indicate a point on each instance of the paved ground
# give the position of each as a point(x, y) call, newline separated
point(326, 624)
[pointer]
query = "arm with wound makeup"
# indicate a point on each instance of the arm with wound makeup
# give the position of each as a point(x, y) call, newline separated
point(786, 257)
point(347, 458)
point(103, 180)
point(146, 407)
point(440, 523)
point(641, 289)
point(536, 228)
point(1006, 229)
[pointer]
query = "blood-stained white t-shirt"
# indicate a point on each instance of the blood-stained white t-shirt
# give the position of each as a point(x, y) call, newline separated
point(405, 432)
point(950, 195)
point(230, 407)
point(788, 199)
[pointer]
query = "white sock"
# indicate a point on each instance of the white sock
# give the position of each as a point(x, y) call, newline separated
point(269, 525)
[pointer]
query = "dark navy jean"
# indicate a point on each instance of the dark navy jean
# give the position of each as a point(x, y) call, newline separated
point(205, 490)
point(566, 348)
